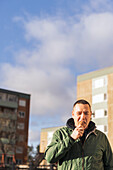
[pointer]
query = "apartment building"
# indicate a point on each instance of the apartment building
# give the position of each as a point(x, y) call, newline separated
point(97, 88)
point(14, 123)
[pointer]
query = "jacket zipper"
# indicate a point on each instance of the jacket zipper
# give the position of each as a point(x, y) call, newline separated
point(83, 147)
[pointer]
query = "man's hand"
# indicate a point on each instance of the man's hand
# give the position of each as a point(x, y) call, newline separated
point(78, 132)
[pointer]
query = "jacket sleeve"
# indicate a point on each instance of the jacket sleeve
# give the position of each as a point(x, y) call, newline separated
point(58, 147)
point(108, 156)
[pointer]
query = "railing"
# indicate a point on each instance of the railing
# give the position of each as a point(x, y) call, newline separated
point(7, 129)
point(10, 104)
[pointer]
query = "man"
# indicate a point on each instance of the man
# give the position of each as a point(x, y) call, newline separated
point(80, 146)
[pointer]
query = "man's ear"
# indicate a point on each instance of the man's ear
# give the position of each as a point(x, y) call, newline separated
point(91, 113)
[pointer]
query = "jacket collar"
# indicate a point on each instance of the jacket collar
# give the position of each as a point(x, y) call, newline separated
point(70, 124)
point(91, 129)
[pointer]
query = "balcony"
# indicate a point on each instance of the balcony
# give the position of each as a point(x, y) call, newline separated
point(9, 104)
point(12, 116)
point(8, 129)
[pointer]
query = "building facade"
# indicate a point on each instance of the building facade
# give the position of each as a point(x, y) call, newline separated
point(97, 88)
point(14, 123)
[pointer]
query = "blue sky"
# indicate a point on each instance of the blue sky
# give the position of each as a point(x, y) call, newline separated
point(45, 45)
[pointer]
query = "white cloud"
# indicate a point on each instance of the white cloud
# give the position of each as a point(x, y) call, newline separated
point(99, 27)
point(70, 41)
point(48, 90)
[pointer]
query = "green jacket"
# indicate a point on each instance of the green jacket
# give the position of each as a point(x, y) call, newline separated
point(94, 153)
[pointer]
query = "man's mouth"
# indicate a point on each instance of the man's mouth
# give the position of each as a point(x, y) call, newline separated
point(83, 123)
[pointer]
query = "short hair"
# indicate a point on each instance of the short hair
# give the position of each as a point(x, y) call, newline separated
point(82, 101)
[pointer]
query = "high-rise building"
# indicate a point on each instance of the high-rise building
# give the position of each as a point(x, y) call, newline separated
point(14, 123)
point(97, 88)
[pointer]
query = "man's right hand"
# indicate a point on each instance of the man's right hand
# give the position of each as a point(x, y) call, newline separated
point(77, 132)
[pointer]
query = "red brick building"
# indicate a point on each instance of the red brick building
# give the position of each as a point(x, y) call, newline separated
point(14, 123)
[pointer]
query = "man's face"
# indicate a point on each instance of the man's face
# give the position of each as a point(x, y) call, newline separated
point(82, 115)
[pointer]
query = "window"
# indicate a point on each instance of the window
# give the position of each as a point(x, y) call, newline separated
point(21, 138)
point(0, 158)
point(99, 113)
point(1, 110)
point(93, 114)
point(49, 137)
point(12, 98)
point(20, 126)
point(9, 160)
point(0, 97)
point(21, 114)
point(6, 111)
point(19, 149)
point(99, 82)
point(102, 128)
point(105, 128)
point(99, 98)
point(3, 96)
point(105, 96)
point(22, 103)
point(105, 113)
point(18, 161)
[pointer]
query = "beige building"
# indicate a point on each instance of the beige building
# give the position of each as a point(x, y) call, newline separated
point(45, 139)
point(97, 88)
point(14, 123)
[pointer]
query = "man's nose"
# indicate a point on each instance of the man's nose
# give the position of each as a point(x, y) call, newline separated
point(82, 116)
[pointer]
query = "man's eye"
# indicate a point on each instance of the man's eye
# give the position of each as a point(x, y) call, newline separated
point(78, 113)
point(86, 113)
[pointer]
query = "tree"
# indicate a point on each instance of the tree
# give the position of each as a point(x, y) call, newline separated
point(30, 153)
point(37, 149)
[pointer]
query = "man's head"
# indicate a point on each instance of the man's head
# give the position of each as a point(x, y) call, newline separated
point(81, 113)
